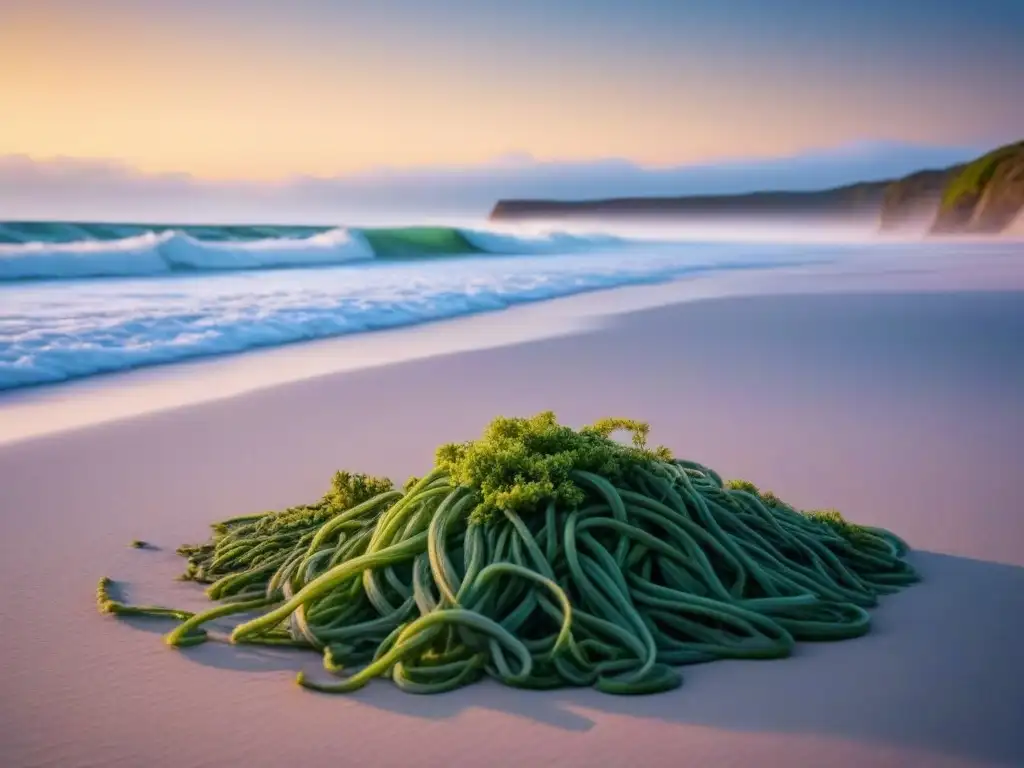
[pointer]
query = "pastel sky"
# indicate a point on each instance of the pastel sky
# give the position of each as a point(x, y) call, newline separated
point(260, 89)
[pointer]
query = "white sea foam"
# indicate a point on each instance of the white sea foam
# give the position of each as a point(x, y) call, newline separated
point(337, 246)
point(53, 331)
point(500, 241)
point(159, 253)
point(155, 253)
point(132, 256)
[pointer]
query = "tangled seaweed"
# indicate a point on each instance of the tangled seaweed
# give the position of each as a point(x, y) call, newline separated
point(543, 557)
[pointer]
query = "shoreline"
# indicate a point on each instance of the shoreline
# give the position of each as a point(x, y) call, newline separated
point(901, 406)
point(37, 411)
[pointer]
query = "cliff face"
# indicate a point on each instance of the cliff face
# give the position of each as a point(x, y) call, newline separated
point(986, 196)
point(911, 202)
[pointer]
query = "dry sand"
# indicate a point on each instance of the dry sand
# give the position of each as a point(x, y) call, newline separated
point(902, 408)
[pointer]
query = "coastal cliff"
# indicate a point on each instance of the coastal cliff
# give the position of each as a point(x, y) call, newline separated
point(911, 203)
point(985, 196)
point(855, 201)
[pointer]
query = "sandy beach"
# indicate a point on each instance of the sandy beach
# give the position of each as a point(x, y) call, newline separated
point(902, 407)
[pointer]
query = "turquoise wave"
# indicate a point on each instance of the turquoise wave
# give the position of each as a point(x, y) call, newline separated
point(20, 232)
point(71, 250)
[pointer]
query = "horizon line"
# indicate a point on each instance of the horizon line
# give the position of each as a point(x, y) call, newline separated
point(510, 161)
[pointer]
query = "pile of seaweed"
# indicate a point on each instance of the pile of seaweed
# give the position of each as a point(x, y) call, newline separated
point(542, 557)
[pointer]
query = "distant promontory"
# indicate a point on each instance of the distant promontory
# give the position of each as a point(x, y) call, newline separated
point(984, 196)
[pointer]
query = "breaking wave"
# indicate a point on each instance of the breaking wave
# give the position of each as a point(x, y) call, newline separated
point(95, 252)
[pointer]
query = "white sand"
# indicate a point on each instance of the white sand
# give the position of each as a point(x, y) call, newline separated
point(902, 407)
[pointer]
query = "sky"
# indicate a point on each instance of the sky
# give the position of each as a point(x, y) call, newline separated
point(256, 90)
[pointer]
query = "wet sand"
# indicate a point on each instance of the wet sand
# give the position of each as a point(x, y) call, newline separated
point(903, 408)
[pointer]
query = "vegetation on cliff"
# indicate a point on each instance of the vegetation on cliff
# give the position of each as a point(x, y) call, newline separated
point(986, 195)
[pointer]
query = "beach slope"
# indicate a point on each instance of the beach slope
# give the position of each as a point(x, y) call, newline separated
point(901, 408)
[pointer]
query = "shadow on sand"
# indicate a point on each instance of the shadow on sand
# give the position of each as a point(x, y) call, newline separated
point(942, 671)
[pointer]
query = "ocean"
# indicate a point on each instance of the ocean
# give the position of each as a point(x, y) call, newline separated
point(77, 300)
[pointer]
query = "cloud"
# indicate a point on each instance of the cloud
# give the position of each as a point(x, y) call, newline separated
point(73, 188)
point(71, 169)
